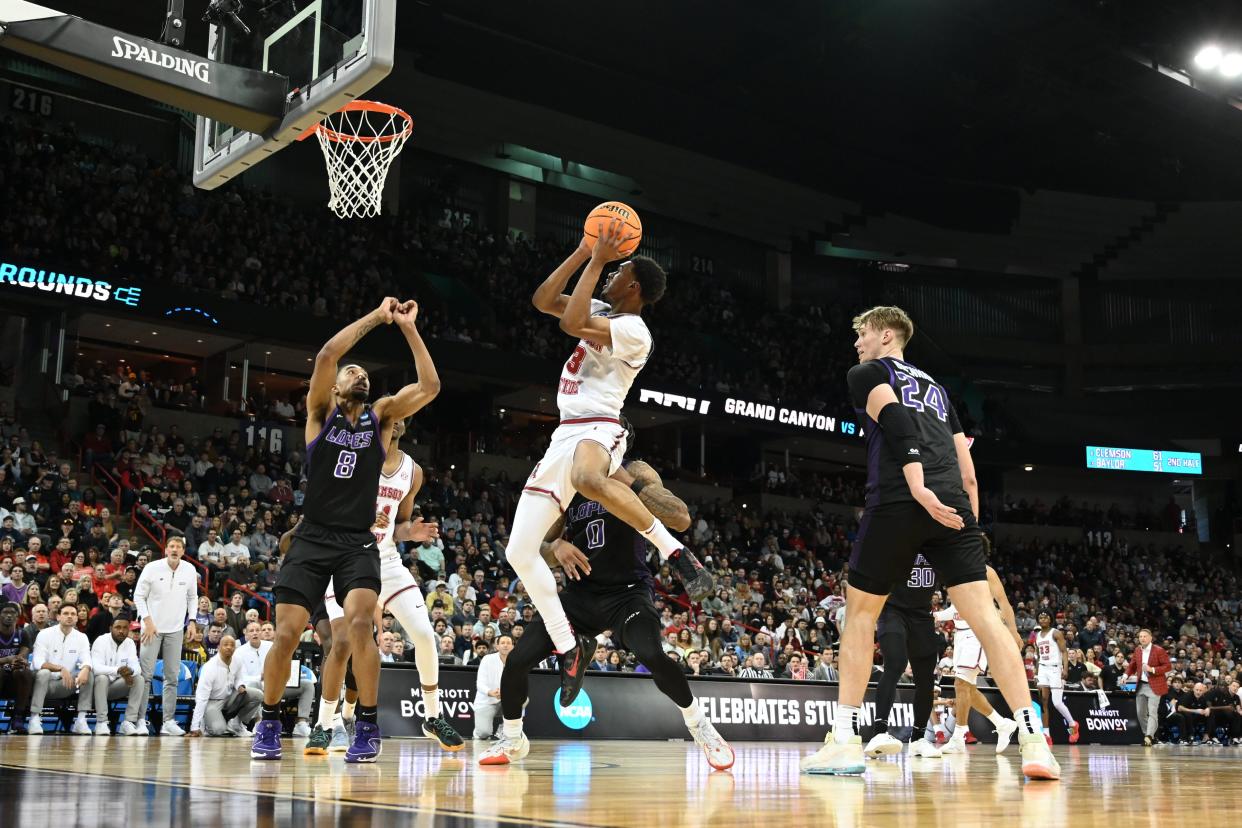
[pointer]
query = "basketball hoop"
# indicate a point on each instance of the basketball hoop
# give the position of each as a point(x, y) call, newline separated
point(359, 142)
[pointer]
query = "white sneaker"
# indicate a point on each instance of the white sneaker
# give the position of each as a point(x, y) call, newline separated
point(924, 749)
point(836, 759)
point(128, 728)
point(719, 754)
point(101, 728)
point(1037, 759)
point(171, 728)
point(143, 728)
point(954, 745)
point(80, 727)
point(505, 751)
point(238, 728)
point(882, 744)
point(301, 730)
point(1004, 733)
point(35, 726)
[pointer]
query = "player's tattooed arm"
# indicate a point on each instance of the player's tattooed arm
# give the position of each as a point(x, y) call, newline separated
point(414, 396)
point(547, 549)
point(323, 377)
point(668, 507)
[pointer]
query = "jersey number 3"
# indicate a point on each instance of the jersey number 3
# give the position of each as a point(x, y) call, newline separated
point(575, 360)
point(933, 397)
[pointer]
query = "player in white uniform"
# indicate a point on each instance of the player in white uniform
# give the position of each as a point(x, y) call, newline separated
point(399, 482)
point(1050, 678)
point(588, 446)
point(969, 660)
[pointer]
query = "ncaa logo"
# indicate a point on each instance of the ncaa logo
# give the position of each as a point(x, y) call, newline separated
point(577, 715)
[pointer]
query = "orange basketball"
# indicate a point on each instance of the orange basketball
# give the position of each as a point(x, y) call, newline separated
point(606, 212)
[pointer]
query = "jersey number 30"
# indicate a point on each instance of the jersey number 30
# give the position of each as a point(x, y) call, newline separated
point(933, 397)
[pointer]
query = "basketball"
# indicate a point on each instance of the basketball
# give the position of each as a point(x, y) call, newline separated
point(607, 211)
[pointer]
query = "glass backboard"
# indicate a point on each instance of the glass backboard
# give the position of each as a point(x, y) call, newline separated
point(332, 51)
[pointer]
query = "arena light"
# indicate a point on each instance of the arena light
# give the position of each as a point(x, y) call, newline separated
point(1231, 65)
point(1209, 57)
point(1028, 467)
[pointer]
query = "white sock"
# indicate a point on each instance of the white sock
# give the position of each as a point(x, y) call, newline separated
point(663, 540)
point(845, 725)
point(513, 729)
point(939, 729)
point(431, 702)
point(327, 713)
point(996, 719)
point(1028, 720)
point(347, 710)
point(692, 714)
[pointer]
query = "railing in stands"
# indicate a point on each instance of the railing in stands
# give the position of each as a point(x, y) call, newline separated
point(142, 519)
point(231, 586)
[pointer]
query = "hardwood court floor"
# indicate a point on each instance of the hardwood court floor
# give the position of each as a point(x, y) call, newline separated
point(65, 781)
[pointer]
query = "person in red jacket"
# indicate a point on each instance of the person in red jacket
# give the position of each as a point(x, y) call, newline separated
point(1149, 664)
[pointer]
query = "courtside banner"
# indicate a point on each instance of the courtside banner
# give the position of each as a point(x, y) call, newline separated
point(628, 706)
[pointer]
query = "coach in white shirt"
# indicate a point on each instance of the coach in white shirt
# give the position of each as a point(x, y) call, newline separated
point(62, 660)
point(166, 597)
point(248, 678)
point(116, 673)
point(216, 684)
point(487, 688)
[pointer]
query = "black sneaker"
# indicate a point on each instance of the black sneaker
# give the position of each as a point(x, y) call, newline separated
point(698, 582)
point(573, 668)
point(444, 733)
point(317, 744)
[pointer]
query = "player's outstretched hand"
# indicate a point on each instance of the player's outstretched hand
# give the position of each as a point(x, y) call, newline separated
point(418, 531)
point(942, 514)
point(406, 312)
point(612, 238)
point(386, 309)
point(572, 561)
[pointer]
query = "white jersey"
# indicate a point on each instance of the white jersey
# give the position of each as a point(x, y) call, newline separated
point(596, 379)
point(951, 614)
point(1049, 652)
point(392, 490)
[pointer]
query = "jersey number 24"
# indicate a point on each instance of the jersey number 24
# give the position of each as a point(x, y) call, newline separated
point(932, 396)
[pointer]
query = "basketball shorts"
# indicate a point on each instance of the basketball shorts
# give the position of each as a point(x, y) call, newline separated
point(594, 609)
point(969, 660)
point(552, 475)
point(319, 557)
point(891, 535)
point(916, 630)
point(395, 580)
point(1049, 675)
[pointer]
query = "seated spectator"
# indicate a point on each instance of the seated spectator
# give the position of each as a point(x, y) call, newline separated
point(116, 674)
point(62, 662)
point(219, 709)
point(16, 679)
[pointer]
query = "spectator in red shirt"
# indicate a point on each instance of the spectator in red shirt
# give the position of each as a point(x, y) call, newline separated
point(62, 553)
point(97, 447)
point(171, 472)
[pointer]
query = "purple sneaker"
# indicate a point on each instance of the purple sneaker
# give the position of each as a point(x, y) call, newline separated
point(366, 746)
point(266, 740)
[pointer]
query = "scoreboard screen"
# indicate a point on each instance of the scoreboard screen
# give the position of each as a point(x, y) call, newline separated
point(1144, 460)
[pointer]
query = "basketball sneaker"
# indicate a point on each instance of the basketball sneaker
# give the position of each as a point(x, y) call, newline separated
point(80, 727)
point(366, 746)
point(506, 750)
point(445, 734)
point(882, 744)
point(573, 668)
point(1073, 733)
point(1004, 734)
point(317, 743)
point(698, 582)
point(835, 759)
point(266, 743)
point(955, 744)
point(340, 740)
point(35, 726)
point(1037, 759)
point(924, 749)
point(719, 754)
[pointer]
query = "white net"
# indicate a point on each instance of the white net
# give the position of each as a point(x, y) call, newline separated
point(359, 143)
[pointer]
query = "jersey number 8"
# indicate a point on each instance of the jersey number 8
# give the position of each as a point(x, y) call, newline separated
point(346, 462)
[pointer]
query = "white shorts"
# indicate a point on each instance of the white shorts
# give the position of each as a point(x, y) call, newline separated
point(395, 579)
point(1048, 675)
point(551, 476)
point(969, 660)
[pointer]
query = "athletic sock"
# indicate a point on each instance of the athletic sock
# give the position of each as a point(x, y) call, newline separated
point(692, 714)
point(996, 719)
point(369, 714)
point(271, 712)
point(327, 712)
point(845, 725)
point(663, 540)
point(347, 709)
point(561, 633)
point(1028, 720)
point(881, 726)
point(513, 729)
point(431, 702)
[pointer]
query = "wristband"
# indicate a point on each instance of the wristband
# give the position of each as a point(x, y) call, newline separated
point(638, 485)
